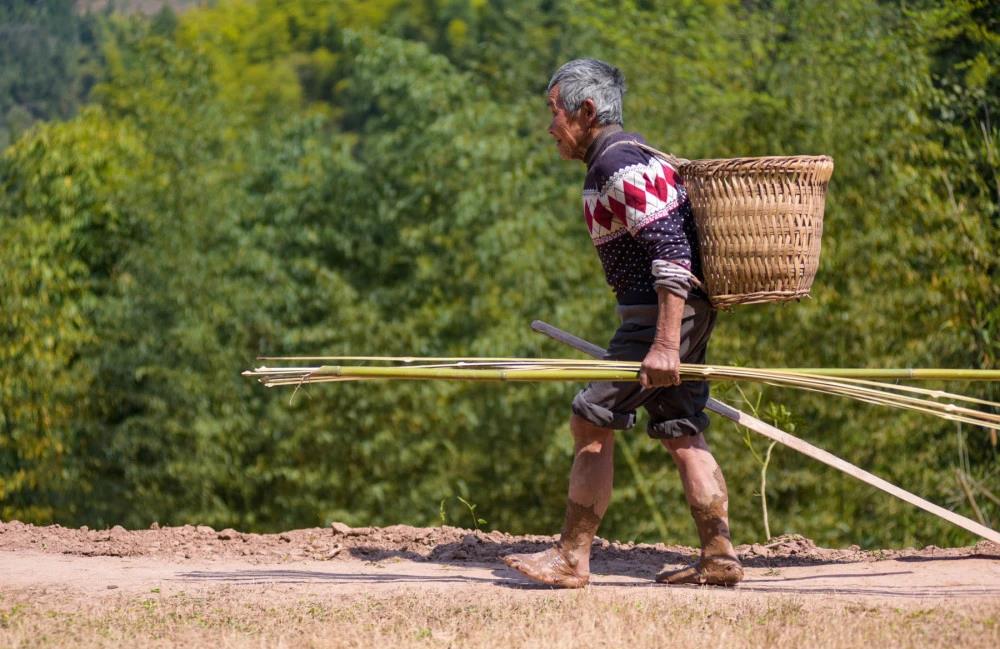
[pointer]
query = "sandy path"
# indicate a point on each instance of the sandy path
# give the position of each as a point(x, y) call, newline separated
point(344, 561)
point(342, 587)
point(889, 582)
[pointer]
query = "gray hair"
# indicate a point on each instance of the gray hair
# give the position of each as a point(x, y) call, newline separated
point(601, 82)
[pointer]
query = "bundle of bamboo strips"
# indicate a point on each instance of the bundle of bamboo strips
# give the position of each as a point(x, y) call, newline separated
point(860, 384)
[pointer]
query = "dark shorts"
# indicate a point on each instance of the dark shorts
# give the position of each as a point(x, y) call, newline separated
point(674, 411)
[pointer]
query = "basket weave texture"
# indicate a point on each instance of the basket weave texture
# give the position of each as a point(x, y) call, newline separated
point(760, 221)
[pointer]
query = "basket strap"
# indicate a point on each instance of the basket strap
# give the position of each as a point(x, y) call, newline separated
point(672, 159)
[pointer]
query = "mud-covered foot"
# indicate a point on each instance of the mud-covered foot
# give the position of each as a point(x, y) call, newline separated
point(550, 567)
point(714, 571)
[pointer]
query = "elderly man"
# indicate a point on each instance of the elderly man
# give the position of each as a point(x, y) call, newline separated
point(641, 224)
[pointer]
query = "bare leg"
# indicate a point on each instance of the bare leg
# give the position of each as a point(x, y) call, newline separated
point(708, 498)
point(590, 480)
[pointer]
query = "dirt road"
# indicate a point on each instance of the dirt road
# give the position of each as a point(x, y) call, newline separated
point(169, 579)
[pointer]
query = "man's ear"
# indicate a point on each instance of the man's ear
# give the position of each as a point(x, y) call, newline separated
point(588, 111)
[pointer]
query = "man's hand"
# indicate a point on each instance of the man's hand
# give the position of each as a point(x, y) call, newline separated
point(661, 367)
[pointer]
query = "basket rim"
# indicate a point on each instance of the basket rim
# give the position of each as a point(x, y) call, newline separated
point(820, 165)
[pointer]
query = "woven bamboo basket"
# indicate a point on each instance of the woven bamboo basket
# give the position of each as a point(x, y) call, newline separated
point(760, 221)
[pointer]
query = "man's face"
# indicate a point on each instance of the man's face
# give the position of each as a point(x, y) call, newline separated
point(571, 131)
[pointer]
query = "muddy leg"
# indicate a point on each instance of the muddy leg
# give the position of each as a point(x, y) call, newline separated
point(708, 498)
point(568, 563)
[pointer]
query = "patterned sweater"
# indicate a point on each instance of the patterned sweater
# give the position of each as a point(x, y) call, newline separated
point(637, 211)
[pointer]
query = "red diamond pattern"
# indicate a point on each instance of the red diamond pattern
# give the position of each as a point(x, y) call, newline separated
point(657, 187)
point(603, 216)
point(634, 196)
point(617, 207)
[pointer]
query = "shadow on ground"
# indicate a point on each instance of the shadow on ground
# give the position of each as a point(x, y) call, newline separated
point(637, 560)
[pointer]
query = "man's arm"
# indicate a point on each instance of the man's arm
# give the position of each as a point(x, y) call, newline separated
point(662, 364)
point(658, 224)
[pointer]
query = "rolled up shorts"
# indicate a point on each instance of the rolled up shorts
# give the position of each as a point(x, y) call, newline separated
point(674, 411)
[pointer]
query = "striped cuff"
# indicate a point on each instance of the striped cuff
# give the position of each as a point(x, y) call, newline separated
point(677, 279)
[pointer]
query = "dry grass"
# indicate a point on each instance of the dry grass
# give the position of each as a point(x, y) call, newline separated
point(636, 618)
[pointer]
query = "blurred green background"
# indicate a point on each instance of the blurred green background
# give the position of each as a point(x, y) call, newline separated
point(186, 187)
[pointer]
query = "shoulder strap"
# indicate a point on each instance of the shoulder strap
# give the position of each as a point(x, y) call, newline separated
point(673, 160)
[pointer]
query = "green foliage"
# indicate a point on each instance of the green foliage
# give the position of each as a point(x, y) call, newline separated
point(67, 220)
point(343, 177)
point(47, 63)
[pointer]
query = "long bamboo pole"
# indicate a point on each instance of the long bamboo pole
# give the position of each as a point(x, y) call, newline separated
point(528, 370)
point(537, 371)
point(915, 374)
point(476, 374)
point(888, 374)
point(807, 449)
